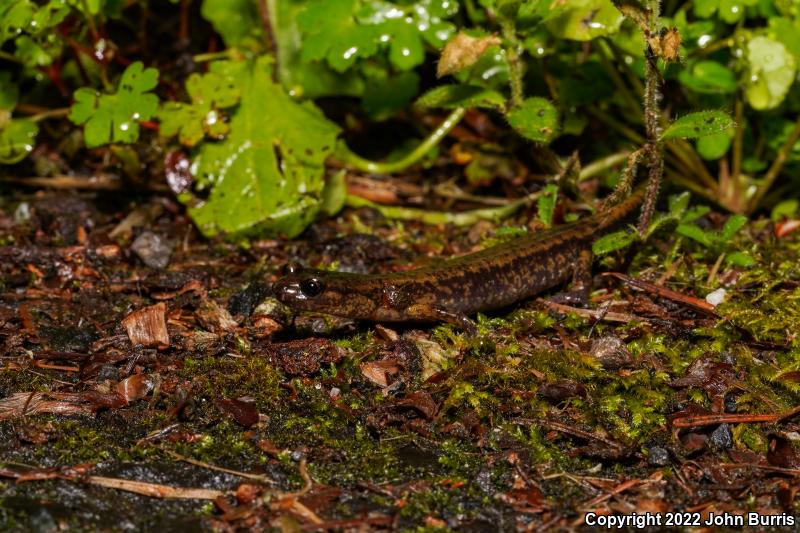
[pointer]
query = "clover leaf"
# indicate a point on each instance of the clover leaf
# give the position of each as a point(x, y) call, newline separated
point(114, 118)
point(191, 122)
point(342, 31)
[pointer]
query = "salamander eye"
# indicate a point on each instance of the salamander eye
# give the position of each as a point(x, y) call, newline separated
point(311, 287)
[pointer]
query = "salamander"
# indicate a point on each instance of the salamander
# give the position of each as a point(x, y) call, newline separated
point(456, 288)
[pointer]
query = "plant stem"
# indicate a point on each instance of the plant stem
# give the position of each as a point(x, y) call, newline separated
point(230, 53)
point(736, 166)
point(651, 122)
point(10, 57)
point(596, 167)
point(465, 218)
point(515, 68)
point(266, 12)
point(357, 162)
point(52, 113)
point(777, 165)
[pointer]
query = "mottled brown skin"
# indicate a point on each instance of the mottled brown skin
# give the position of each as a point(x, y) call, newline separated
point(452, 290)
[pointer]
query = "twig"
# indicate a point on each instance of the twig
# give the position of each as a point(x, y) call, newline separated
point(195, 462)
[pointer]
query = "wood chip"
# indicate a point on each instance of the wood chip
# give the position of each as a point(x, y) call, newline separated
point(148, 326)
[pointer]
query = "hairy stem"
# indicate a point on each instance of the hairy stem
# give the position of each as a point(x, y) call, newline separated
point(515, 67)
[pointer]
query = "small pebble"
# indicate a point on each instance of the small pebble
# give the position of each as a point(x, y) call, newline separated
point(716, 297)
point(658, 456)
point(153, 249)
point(722, 437)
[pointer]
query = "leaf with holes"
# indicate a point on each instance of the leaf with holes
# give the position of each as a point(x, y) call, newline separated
point(191, 122)
point(114, 118)
point(267, 176)
point(697, 125)
point(461, 95)
point(535, 119)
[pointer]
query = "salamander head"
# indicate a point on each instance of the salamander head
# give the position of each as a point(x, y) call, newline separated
point(334, 293)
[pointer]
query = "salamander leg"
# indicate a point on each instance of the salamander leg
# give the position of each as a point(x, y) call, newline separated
point(578, 293)
point(427, 312)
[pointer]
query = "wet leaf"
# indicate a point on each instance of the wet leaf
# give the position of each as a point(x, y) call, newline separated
point(342, 31)
point(134, 387)
point(191, 122)
point(535, 119)
point(115, 117)
point(461, 95)
point(772, 72)
point(696, 125)
point(17, 138)
point(584, 20)
point(242, 410)
point(267, 175)
point(237, 21)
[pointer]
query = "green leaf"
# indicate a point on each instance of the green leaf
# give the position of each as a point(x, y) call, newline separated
point(584, 20)
point(209, 93)
point(9, 92)
point(732, 226)
point(678, 203)
point(786, 31)
point(714, 146)
point(17, 140)
point(785, 209)
point(705, 8)
point(614, 241)
point(696, 233)
point(114, 118)
point(237, 21)
point(696, 125)
point(546, 204)
point(772, 72)
point(535, 119)
point(709, 77)
point(330, 32)
point(461, 95)
point(406, 50)
point(384, 97)
point(741, 259)
point(267, 174)
point(731, 11)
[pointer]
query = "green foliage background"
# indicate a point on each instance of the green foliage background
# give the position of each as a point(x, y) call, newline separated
point(563, 74)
